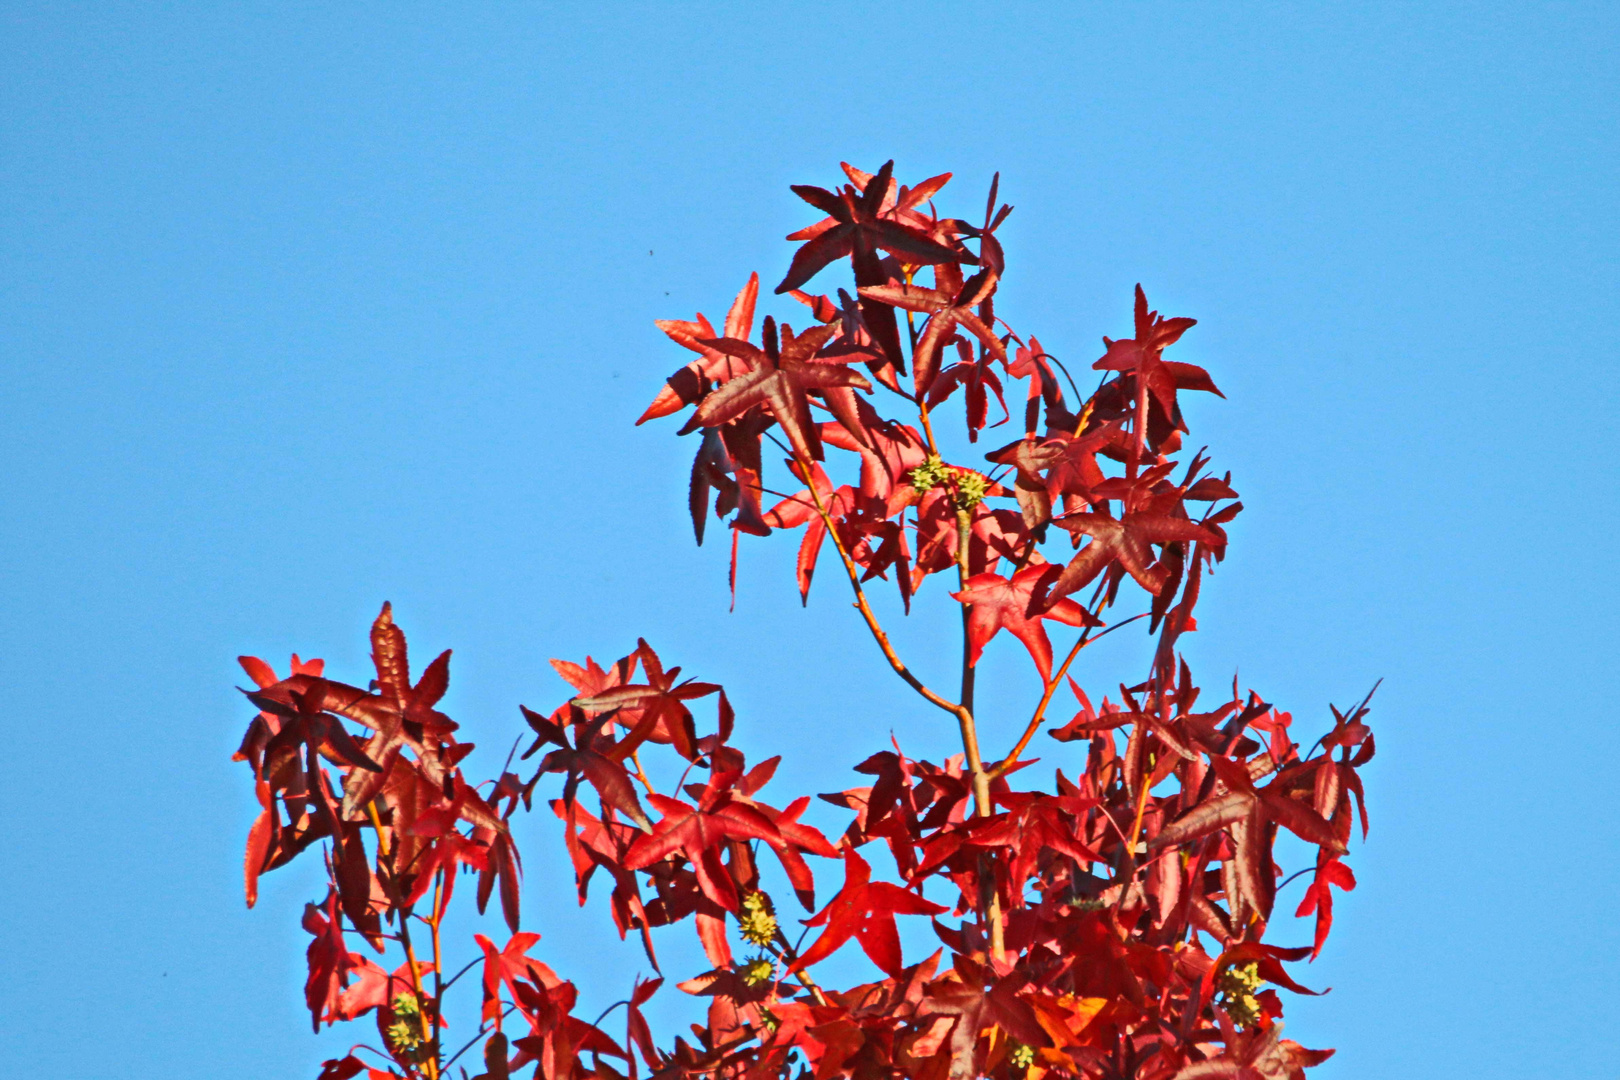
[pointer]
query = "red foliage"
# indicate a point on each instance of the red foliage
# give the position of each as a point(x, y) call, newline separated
point(1112, 927)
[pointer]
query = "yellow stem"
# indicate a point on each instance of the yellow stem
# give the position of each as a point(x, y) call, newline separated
point(641, 773)
point(785, 951)
point(1141, 804)
point(970, 735)
point(376, 823)
point(438, 968)
point(405, 932)
point(928, 428)
point(1046, 698)
point(865, 609)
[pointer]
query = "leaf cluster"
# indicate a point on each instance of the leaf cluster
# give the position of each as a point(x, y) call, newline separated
point(1114, 925)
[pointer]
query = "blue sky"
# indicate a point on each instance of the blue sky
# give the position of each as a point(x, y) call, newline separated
point(307, 309)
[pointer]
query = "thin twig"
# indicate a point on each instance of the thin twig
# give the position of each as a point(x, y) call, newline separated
point(1111, 821)
point(969, 729)
point(465, 968)
point(641, 773)
point(790, 954)
point(786, 450)
point(1046, 699)
point(509, 754)
point(479, 1034)
point(604, 1013)
point(438, 969)
point(1284, 883)
point(865, 609)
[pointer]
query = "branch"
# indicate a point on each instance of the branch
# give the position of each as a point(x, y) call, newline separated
point(465, 968)
point(438, 964)
point(479, 1034)
point(865, 609)
point(964, 711)
point(790, 955)
point(1051, 687)
point(405, 937)
point(970, 734)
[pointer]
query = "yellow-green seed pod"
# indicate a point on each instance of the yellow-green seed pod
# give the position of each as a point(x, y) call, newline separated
point(970, 488)
point(757, 924)
point(1237, 987)
point(929, 475)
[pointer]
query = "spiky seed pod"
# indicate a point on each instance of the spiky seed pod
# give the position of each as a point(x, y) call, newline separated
point(1237, 986)
point(757, 924)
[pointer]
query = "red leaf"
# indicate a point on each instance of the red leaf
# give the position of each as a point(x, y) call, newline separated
point(864, 910)
point(1205, 818)
point(1319, 897)
point(780, 379)
point(696, 833)
point(329, 961)
point(998, 604)
point(688, 384)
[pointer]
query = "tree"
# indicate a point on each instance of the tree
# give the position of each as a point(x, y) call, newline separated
point(1113, 926)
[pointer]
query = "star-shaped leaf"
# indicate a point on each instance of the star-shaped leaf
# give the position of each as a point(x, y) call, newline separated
point(697, 832)
point(508, 964)
point(1319, 897)
point(782, 377)
point(856, 221)
point(800, 509)
point(606, 774)
point(688, 384)
point(948, 306)
point(330, 961)
point(1142, 357)
point(995, 604)
point(661, 716)
point(857, 228)
point(864, 909)
point(1125, 541)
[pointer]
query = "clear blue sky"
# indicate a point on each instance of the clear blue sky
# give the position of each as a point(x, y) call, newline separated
point(302, 310)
